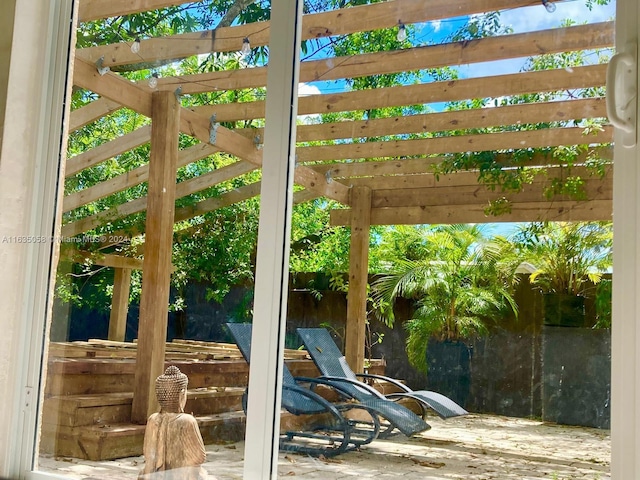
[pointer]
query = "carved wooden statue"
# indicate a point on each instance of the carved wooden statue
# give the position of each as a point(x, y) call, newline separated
point(173, 447)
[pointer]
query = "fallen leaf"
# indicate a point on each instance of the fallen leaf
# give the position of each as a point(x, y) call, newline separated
point(427, 463)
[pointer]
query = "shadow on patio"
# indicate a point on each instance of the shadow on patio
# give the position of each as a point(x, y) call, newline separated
point(474, 447)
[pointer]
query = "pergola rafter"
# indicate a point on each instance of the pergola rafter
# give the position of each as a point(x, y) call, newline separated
point(383, 168)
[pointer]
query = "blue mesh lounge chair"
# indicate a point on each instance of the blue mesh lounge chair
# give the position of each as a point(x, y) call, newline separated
point(333, 366)
point(332, 433)
point(342, 433)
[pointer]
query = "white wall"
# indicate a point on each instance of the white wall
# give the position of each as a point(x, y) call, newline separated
point(31, 134)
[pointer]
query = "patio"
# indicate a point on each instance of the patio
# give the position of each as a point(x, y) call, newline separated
point(474, 447)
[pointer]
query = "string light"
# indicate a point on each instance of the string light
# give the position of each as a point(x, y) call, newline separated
point(135, 46)
point(246, 46)
point(153, 80)
point(402, 32)
point(551, 7)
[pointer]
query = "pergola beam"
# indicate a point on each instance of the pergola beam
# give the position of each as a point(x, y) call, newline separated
point(560, 211)
point(522, 113)
point(91, 112)
point(108, 150)
point(459, 198)
point(89, 10)
point(131, 178)
point(432, 92)
point(112, 86)
point(138, 205)
point(559, 111)
point(105, 260)
point(139, 99)
point(318, 25)
point(119, 304)
point(396, 169)
point(156, 273)
point(466, 178)
point(480, 194)
point(503, 47)
point(456, 144)
point(355, 330)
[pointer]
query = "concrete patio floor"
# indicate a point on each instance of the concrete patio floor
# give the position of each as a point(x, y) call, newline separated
point(475, 447)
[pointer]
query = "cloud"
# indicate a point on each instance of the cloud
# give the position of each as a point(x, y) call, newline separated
point(305, 90)
point(536, 17)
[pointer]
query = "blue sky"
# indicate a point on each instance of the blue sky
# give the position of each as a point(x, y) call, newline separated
point(520, 20)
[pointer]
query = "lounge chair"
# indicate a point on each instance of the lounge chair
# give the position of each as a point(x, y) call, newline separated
point(332, 433)
point(333, 367)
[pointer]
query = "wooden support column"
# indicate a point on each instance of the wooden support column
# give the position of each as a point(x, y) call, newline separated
point(119, 304)
point(358, 277)
point(156, 268)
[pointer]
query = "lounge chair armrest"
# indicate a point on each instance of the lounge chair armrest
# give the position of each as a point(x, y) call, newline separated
point(330, 407)
point(356, 383)
point(328, 383)
point(390, 380)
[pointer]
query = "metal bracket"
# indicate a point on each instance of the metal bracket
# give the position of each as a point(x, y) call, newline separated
point(328, 176)
point(178, 93)
point(28, 397)
point(213, 129)
point(257, 140)
point(101, 68)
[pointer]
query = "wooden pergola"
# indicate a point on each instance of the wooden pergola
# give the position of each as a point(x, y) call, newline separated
point(380, 182)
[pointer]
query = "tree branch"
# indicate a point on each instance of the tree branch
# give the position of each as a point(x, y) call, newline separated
point(233, 12)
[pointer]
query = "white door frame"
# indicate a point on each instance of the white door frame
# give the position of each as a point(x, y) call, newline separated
point(625, 335)
point(30, 176)
point(272, 264)
point(40, 113)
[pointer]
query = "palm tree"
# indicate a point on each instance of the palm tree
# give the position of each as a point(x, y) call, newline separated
point(567, 256)
point(462, 282)
point(569, 259)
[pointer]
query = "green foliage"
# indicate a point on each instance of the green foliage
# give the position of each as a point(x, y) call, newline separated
point(603, 303)
point(314, 246)
point(481, 26)
point(219, 247)
point(220, 250)
point(491, 165)
point(461, 284)
point(567, 256)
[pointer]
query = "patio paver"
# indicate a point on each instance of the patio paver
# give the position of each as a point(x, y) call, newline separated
point(476, 447)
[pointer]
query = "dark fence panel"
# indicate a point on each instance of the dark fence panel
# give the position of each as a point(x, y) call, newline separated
point(520, 369)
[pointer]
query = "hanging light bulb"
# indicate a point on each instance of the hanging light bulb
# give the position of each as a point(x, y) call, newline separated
point(135, 46)
point(153, 80)
point(551, 7)
point(246, 47)
point(402, 32)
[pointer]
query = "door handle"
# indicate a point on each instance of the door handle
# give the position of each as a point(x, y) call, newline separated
point(622, 93)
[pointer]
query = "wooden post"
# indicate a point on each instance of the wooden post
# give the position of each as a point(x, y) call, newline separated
point(156, 268)
point(119, 304)
point(358, 277)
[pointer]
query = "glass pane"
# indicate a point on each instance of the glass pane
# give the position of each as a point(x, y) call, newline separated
point(106, 370)
point(411, 120)
point(456, 130)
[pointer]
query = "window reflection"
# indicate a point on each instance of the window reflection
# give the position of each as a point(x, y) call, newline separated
point(466, 118)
